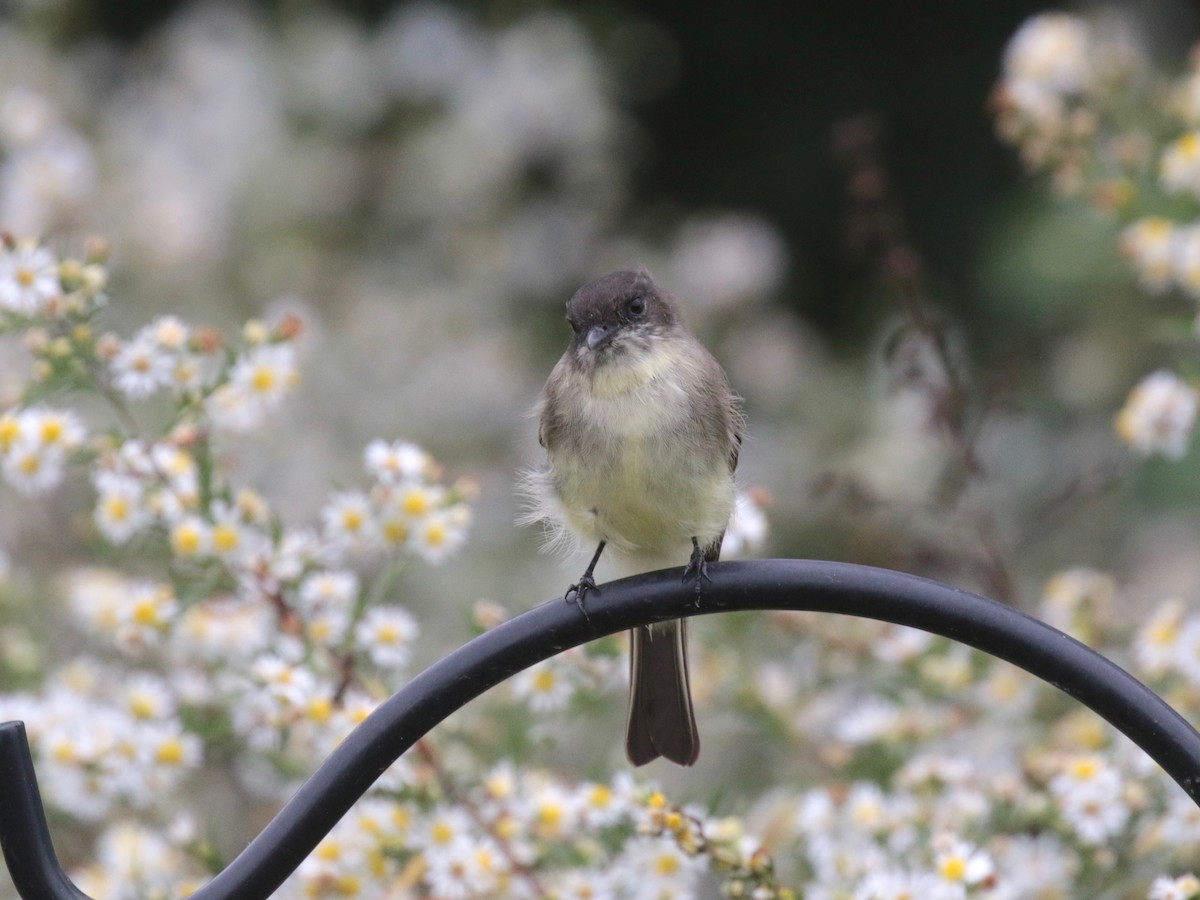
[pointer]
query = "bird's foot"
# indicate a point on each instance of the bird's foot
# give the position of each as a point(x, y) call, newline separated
point(577, 592)
point(697, 568)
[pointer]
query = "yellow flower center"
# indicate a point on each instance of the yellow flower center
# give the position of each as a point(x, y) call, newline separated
point(145, 612)
point(170, 752)
point(953, 868)
point(24, 276)
point(415, 503)
point(141, 706)
point(600, 796)
point(9, 432)
point(52, 430)
point(666, 865)
point(395, 532)
point(186, 540)
point(1084, 768)
point(225, 538)
point(435, 534)
point(116, 508)
point(262, 380)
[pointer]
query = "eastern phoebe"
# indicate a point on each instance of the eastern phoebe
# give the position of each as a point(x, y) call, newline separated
point(642, 434)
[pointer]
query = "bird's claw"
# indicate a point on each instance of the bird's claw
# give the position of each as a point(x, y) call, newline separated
point(697, 568)
point(577, 592)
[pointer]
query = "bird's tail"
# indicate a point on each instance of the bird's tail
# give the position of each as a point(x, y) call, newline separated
point(661, 720)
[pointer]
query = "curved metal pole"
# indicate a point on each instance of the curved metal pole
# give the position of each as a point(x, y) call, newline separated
point(556, 626)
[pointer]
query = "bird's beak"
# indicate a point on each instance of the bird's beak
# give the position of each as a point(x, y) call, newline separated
point(597, 334)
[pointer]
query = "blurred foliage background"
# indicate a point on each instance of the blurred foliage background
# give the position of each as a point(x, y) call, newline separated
point(931, 343)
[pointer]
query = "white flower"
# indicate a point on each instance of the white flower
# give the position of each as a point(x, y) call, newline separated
point(1149, 243)
point(959, 862)
point(147, 697)
point(349, 520)
point(140, 367)
point(386, 632)
point(1185, 887)
point(869, 721)
point(1088, 793)
point(395, 462)
point(1155, 647)
point(1186, 655)
point(1158, 416)
point(120, 508)
point(719, 262)
point(33, 468)
point(325, 588)
point(1184, 257)
point(169, 332)
point(144, 614)
point(544, 686)
point(657, 869)
point(258, 383)
point(1051, 51)
point(442, 827)
point(1180, 167)
point(439, 535)
point(747, 529)
point(896, 884)
point(466, 867)
point(28, 278)
point(266, 374)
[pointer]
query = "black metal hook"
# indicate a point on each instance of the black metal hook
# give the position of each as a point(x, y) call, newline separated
point(540, 633)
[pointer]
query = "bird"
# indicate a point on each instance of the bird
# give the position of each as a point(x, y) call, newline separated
point(642, 433)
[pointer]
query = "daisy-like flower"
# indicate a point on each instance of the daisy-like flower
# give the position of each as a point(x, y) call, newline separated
point(1184, 258)
point(1155, 645)
point(960, 863)
point(544, 687)
point(60, 428)
point(442, 827)
point(396, 461)
point(1148, 243)
point(120, 511)
point(1180, 166)
point(1185, 887)
point(140, 367)
point(32, 468)
point(166, 753)
point(329, 588)
point(386, 632)
point(348, 520)
point(190, 537)
point(146, 697)
point(467, 867)
point(657, 869)
point(599, 805)
point(168, 332)
point(897, 884)
point(436, 537)
point(28, 278)
point(1088, 794)
point(1051, 51)
point(144, 615)
point(1158, 416)
point(1186, 656)
point(257, 384)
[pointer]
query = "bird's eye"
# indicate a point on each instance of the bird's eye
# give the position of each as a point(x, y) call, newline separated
point(636, 306)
